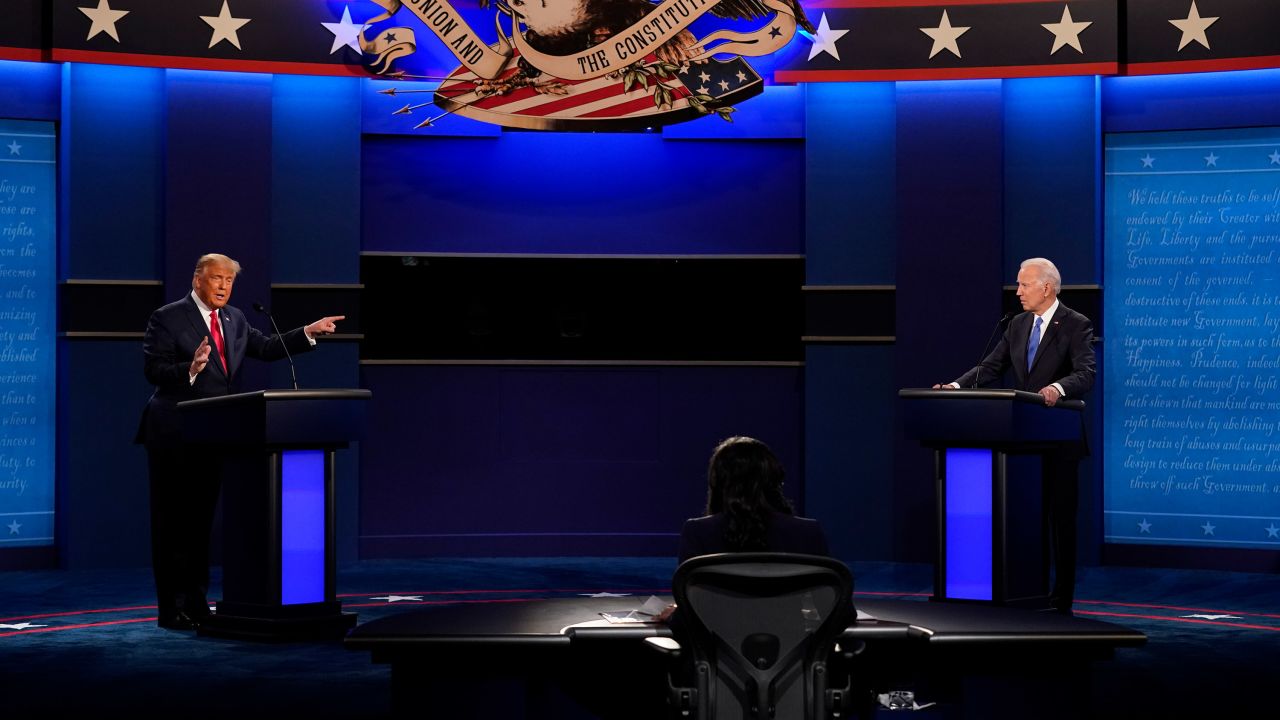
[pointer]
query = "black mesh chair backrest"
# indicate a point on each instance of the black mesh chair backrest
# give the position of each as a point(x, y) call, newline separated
point(760, 626)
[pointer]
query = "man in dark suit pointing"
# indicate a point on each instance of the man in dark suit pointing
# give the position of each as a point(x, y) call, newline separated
point(194, 348)
point(1050, 350)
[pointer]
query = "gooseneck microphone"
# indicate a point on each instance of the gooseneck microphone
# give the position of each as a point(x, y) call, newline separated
point(292, 372)
point(977, 377)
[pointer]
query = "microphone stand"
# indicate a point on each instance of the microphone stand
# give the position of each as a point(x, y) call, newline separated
point(292, 372)
point(977, 376)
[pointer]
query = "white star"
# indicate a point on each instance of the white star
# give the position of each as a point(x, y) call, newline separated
point(1147, 161)
point(104, 19)
point(704, 77)
point(15, 148)
point(345, 33)
point(1213, 617)
point(604, 595)
point(398, 598)
point(19, 626)
point(824, 41)
point(13, 527)
point(724, 84)
point(703, 90)
point(742, 77)
point(1211, 160)
point(944, 36)
point(1208, 527)
point(1275, 157)
point(1066, 31)
point(1193, 27)
point(1273, 531)
point(225, 27)
point(1144, 526)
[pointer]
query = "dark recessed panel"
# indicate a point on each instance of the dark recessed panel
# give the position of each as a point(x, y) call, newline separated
point(490, 308)
point(108, 307)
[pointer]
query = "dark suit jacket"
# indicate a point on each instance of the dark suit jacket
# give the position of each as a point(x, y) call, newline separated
point(787, 533)
point(1065, 355)
point(173, 334)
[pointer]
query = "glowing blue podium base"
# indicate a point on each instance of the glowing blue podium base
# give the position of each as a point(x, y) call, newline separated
point(277, 449)
point(991, 543)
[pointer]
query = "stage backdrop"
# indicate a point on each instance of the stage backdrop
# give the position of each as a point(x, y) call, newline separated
point(28, 152)
point(1192, 406)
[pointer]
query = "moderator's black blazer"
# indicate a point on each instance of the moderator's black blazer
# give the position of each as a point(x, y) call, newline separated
point(1065, 355)
point(173, 334)
point(787, 533)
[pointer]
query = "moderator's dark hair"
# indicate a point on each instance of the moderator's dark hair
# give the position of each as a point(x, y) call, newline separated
point(744, 481)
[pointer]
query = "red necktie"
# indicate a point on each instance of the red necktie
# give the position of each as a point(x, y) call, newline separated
point(216, 331)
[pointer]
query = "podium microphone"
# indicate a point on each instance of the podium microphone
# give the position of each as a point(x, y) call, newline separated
point(292, 372)
point(985, 348)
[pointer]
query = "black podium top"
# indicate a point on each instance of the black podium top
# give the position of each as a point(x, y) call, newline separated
point(1004, 419)
point(307, 418)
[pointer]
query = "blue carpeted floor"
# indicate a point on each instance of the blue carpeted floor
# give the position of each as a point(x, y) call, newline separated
point(86, 643)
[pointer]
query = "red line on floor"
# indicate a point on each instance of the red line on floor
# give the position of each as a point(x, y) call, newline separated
point(57, 628)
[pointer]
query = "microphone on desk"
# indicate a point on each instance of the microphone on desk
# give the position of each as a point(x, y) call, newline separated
point(985, 348)
point(292, 372)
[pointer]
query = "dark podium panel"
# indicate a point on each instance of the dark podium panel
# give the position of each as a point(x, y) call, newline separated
point(991, 546)
point(277, 507)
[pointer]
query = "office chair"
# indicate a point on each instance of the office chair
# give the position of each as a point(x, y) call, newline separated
point(759, 627)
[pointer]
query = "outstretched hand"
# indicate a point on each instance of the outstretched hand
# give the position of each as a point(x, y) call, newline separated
point(201, 357)
point(323, 326)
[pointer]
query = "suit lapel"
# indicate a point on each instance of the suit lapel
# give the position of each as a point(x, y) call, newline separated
point(202, 331)
point(228, 339)
point(1021, 334)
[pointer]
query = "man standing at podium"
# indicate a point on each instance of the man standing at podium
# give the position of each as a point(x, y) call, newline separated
point(194, 348)
point(1050, 350)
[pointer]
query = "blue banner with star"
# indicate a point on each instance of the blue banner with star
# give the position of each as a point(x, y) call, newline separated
point(1192, 311)
point(852, 40)
point(28, 284)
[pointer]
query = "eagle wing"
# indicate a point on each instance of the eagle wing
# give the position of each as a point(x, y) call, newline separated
point(751, 9)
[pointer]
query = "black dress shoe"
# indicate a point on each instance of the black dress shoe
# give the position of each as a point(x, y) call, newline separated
point(177, 621)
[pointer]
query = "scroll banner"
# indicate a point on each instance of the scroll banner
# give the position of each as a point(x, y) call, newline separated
point(624, 48)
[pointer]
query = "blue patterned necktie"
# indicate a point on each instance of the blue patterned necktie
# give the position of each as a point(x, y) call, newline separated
point(1034, 343)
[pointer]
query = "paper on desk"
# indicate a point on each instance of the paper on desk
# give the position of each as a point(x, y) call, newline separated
point(643, 614)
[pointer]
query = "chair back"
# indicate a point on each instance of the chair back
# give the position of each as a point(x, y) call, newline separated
point(760, 626)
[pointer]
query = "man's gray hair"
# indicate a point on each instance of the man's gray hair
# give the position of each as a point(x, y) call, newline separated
point(1048, 272)
point(216, 259)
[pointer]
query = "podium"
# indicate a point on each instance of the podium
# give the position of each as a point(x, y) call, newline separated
point(278, 561)
point(987, 551)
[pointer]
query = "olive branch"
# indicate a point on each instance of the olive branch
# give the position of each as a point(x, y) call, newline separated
point(640, 74)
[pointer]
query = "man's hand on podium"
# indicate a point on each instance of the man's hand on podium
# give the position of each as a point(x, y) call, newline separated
point(1050, 394)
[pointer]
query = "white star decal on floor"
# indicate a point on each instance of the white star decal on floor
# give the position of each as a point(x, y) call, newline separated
point(398, 598)
point(104, 19)
point(345, 33)
point(604, 595)
point(945, 36)
point(1066, 31)
point(225, 27)
point(19, 626)
point(1193, 28)
point(1213, 617)
point(824, 41)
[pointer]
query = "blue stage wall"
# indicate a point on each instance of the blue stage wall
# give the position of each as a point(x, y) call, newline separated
point(947, 184)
